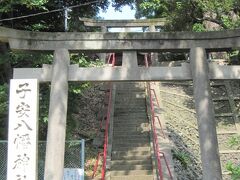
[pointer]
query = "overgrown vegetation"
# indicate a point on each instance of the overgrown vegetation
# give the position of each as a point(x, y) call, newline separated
point(197, 15)
point(36, 60)
point(234, 170)
point(234, 142)
point(182, 157)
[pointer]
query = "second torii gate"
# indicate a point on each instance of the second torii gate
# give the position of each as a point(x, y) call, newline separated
point(129, 43)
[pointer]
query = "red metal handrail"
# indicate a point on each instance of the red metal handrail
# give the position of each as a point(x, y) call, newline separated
point(160, 124)
point(169, 171)
point(156, 146)
point(107, 117)
point(96, 164)
point(106, 135)
point(155, 96)
point(111, 59)
point(107, 126)
point(155, 137)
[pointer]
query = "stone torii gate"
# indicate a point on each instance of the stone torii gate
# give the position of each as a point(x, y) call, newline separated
point(60, 72)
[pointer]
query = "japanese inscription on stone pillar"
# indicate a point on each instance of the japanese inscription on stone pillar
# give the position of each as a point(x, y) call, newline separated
point(22, 130)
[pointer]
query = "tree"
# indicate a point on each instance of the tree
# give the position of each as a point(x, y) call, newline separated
point(51, 21)
point(197, 15)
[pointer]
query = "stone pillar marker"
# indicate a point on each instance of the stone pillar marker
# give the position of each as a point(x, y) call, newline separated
point(23, 130)
point(54, 161)
point(205, 115)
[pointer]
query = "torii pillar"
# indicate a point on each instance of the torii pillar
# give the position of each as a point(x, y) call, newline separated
point(54, 161)
point(154, 56)
point(205, 115)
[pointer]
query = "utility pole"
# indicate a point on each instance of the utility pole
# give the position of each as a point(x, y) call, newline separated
point(66, 17)
point(63, 4)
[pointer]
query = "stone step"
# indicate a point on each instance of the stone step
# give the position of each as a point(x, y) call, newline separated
point(130, 153)
point(130, 91)
point(128, 105)
point(130, 85)
point(131, 101)
point(132, 133)
point(136, 136)
point(131, 114)
point(131, 172)
point(130, 97)
point(132, 109)
point(123, 148)
point(131, 167)
point(130, 122)
point(132, 145)
point(147, 161)
point(130, 118)
point(130, 140)
point(127, 111)
point(130, 157)
point(131, 125)
point(136, 177)
point(133, 129)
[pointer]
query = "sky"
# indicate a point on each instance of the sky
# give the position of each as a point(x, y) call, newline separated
point(111, 14)
point(126, 13)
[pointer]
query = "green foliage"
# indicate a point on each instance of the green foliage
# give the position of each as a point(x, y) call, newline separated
point(234, 170)
point(191, 15)
point(20, 59)
point(182, 157)
point(3, 99)
point(234, 142)
point(77, 89)
point(198, 27)
point(84, 61)
point(3, 110)
point(44, 94)
point(6, 5)
point(47, 22)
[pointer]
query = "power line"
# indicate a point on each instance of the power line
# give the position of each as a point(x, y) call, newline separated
point(52, 11)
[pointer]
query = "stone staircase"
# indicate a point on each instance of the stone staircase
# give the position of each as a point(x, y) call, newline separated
point(131, 152)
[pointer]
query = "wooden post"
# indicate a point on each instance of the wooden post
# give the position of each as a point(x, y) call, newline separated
point(54, 162)
point(205, 115)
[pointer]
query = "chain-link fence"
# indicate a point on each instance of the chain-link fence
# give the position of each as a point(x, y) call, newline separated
point(74, 157)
